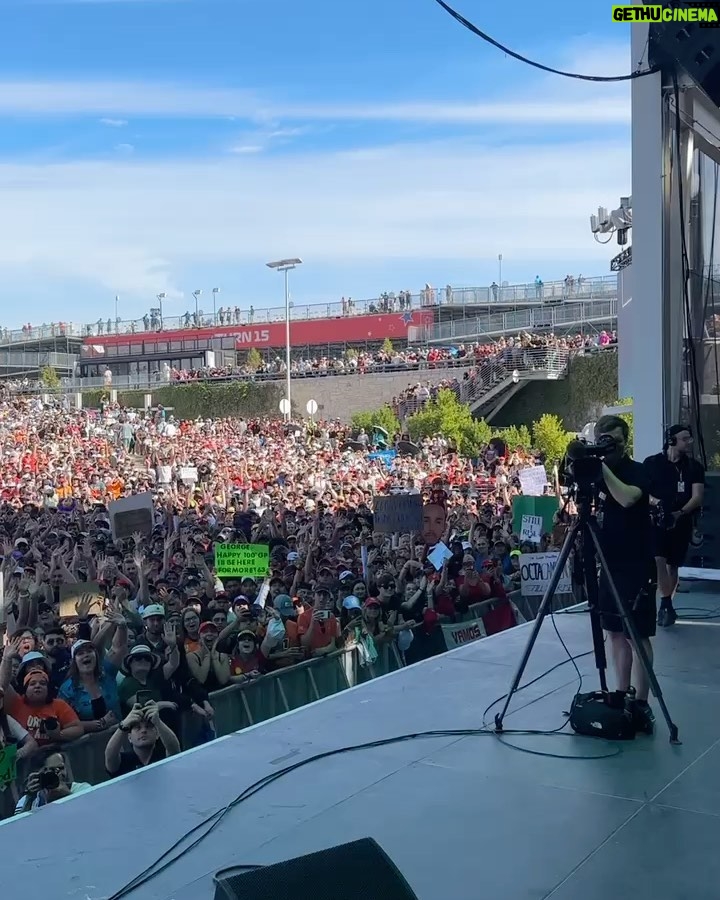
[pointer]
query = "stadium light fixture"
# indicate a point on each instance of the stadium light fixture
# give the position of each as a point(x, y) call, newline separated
point(284, 266)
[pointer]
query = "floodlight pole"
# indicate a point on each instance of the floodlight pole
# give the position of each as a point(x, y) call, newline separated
point(284, 266)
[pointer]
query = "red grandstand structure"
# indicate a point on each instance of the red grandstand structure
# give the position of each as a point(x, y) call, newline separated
point(145, 347)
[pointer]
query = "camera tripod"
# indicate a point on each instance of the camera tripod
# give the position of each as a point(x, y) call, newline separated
point(583, 535)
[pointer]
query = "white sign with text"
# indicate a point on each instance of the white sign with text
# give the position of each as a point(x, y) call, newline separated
point(463, 633)
point(531, 529)
point(536, 570)
point(533, 481)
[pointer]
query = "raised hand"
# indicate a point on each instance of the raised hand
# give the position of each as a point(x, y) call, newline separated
point(83, 606)
point(25, 583)
point(170, 635)
point(134, 717)
point(151, 712)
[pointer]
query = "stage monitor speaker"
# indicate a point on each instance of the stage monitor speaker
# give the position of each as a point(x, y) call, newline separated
point(692, 47)
point(360, 870)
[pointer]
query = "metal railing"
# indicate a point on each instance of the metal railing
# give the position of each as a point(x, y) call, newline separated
point(158, 379)
point(241, 705)
point(586, 289)
point(512, 365)
point(36, 359)
point(533, 319)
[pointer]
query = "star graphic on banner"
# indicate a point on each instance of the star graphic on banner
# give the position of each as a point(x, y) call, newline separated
point(407, 318)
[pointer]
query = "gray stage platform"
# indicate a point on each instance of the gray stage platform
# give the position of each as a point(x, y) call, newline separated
point(462, 818)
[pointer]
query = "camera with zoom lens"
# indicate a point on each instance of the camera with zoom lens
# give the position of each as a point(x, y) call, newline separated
point(49, 781)
point(582, 461)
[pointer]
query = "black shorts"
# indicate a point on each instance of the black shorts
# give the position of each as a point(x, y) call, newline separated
point(672, 545)
point(637, 589)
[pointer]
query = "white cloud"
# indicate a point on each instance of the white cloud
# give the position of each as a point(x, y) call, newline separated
point(110, 99)
point(129, 227)
point(247, 148)
point(114, 123)
point(125, 149)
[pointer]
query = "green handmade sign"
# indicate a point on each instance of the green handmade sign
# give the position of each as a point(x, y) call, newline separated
point(8, 764)
point(524, 507)
point(242, 560)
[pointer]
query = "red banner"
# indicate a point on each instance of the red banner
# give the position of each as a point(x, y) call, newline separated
point(343, 330)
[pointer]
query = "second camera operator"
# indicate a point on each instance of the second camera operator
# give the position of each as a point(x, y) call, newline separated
point(625, 535)
point(677, 489)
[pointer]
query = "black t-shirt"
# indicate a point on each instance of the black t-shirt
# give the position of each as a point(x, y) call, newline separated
point(129, 761)
point(672, 482)
point(625, 532)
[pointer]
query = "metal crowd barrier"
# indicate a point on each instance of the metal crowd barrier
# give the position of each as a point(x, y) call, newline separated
point(240, 705)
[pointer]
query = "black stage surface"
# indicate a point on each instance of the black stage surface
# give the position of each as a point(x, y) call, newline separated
point(462, 817)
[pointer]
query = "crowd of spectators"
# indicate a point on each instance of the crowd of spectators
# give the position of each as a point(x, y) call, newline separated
point(138, 670)
point(352, 362)
point(513, 351)
point(489, 363)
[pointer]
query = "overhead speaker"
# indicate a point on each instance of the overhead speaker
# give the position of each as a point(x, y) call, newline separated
point(691, 46)
point(360, 870)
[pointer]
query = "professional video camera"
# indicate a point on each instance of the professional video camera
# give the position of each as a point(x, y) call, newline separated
point(581, 464)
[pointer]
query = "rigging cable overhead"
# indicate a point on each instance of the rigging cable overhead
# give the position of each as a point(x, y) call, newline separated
point(531, 62)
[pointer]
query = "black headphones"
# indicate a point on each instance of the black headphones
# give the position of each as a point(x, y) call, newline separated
point(671, 434)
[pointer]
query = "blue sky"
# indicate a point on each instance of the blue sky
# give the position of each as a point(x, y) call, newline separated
point(170, 145)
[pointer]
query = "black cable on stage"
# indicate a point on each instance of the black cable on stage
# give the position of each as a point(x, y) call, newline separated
point(213, 820)
point(536, 65)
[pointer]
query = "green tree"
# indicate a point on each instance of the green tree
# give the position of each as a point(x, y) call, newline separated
point(628, 417)
point(515, 437)
point(387, 346)
point(351, 353)
point(384, 417)
point(549, 437)
point(49, 378)
point(445, 415)
point(253, 360)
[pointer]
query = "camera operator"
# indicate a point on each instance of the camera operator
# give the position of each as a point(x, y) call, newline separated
point(677, 488)
point(50, 780)
point(625, 535)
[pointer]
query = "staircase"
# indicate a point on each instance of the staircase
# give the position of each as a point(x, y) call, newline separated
point(488, 387)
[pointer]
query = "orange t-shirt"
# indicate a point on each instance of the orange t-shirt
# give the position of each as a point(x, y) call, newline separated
point(323, 632)
point(31, 717)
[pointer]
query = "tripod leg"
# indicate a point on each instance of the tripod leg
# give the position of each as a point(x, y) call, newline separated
point(590, 583)
point(635, 639)
point(537, 625)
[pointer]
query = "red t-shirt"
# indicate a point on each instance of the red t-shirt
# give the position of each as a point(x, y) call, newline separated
point(244, 666)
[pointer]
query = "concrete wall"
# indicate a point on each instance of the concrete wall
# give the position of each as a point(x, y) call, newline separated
point(338, 397)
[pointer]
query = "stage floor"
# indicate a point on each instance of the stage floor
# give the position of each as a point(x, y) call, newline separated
point(462, 817)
